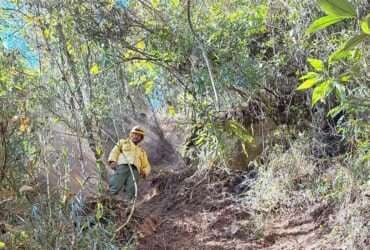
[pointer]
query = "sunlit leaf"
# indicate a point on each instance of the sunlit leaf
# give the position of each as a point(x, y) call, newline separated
point(351, 43)
point(324, 22)
point(337, 8)
point(128, 54)
point(46, 33)
point(338, 55)
point(149, 86)
point(140, 45)
point(238, 130)
point(340, 90)
point(2, 245)
point(354, 41)
point(155, 3)
point(321, 91)
point(18, 87)
point(201, 139)
point(24, 235)
point(175, 3)
point(99, 211)
point(95, 69)
point(307, 84)
point(70, 47)
point(335, 111)
point(171, 110)
point(309, 75)
point(365, 158)
point(344, 78)
point(316, 64)
point(365, 24)
point(56, 119)
point(99, 150)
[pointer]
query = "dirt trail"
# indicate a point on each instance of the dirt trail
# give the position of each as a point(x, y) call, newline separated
point(302, 231)
point(186, 210)
point(191, 212)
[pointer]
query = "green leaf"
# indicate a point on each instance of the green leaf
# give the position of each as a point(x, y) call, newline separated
point(351, 43)
point(344, 78)
point(2, 245)
point(335, 111)
point(175, 3)
point(365, 158)
point(340, 90)
point(18, 87)
point(155, 3)
point(321, 91)
point(339, 54)
point(201, 139)
point(324, 22)
point(365, 25)
point(171, 110)
point(309, 75)
point(99, 211)
point(99, 150)
point(140, 45)
point(309, 83)
point(95, 69)
point(316, 64)
point(238, 130)
point(46, 33)
point(354, 41)
point(149, 86)
point(337, 8)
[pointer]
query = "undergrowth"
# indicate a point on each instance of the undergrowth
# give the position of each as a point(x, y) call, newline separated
point(293, 180)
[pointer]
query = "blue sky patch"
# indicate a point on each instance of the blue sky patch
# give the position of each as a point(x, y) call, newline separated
point(11, 39)
point(122, 3)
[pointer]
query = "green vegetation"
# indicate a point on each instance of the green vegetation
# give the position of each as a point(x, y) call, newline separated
point(276, 87)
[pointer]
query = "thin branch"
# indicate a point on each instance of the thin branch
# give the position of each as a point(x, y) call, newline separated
point(204, 54)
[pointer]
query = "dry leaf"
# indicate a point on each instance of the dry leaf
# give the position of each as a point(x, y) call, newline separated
point(24, 124)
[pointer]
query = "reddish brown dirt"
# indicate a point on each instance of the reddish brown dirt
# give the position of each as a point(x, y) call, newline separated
point(305, 230)
point(187, 211)
point(191, 212)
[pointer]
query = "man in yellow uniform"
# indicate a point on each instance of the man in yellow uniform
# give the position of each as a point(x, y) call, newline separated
point(129, 161)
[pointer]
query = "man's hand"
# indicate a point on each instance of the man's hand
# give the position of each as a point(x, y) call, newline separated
point(113, 164)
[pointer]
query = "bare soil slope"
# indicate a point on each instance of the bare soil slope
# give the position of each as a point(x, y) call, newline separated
point(193, 210)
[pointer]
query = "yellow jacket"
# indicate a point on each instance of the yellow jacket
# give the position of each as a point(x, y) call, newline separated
point(126, 152)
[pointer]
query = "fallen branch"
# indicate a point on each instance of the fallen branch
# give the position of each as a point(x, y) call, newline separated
point(6, 200)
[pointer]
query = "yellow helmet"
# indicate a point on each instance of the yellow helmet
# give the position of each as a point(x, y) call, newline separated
point(137, 130)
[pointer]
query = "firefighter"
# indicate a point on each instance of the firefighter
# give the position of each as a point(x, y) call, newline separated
point(129, 161)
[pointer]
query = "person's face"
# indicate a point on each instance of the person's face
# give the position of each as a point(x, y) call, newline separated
point(136, 138)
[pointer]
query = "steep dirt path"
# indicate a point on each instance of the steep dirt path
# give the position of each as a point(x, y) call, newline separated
point(303, 230)
point(191, 212)
point(180, 210)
